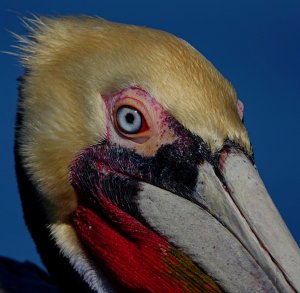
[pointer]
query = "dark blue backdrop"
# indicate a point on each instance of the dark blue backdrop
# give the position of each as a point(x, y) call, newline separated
point(255, 44)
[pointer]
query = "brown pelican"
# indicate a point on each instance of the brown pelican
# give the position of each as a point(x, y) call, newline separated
point(135, 170)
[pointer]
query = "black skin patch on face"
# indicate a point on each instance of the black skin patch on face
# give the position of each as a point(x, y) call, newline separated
point(175, 167)
point(92, 178)
point(115, 172)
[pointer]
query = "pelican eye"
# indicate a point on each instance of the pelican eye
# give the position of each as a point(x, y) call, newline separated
point(129, 119)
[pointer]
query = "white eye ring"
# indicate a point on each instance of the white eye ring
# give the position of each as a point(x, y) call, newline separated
point(129, 119)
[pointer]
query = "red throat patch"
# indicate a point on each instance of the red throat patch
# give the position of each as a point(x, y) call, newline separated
point(139, 259)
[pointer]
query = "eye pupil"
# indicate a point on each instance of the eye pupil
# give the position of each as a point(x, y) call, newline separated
point(130, 118)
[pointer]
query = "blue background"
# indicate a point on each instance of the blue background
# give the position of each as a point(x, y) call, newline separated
point(255, 44)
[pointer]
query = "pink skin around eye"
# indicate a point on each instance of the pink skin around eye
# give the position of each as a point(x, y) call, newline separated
point(158, 132)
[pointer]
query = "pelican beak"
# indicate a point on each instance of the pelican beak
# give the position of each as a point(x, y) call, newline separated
point(230, 226)
point(255, 220)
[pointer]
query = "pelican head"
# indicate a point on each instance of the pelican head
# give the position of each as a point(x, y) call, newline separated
point(135, 169)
